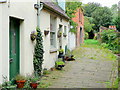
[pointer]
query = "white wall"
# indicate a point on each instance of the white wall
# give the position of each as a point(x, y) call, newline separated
point(27, 15)
point(50, 58)
point(0, 43)
point(71, 41)
point(5, 40)
point(64, 39)
point(28, 22)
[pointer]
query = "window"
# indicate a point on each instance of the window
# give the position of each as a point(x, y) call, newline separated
point(65, 30)
point(52, 32)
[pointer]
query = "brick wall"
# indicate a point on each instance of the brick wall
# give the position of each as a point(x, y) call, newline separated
point(79, 19)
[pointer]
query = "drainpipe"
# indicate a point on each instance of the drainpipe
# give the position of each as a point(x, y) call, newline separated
point(39, 7)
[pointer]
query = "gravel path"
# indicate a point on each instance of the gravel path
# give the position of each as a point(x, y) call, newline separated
point(86, 72)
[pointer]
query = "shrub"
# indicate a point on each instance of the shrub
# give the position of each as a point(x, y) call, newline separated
point(86, 35)
point(110, 39)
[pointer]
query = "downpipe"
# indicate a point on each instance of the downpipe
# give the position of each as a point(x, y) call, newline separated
point(39, 7)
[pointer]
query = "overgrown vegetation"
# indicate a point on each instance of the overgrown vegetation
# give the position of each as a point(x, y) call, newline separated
point(38, 53)
point(71, 8)
point(98, 51)
point(110, 40)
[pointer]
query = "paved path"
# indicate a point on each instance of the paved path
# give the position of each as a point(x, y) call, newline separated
point(86, 73)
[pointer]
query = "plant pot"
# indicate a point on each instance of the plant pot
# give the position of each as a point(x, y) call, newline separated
point(33, 85)
point(20, 84)
point(61, 65)
point(64, 35)
point(46, 32)
point(33, 37)
point(59, 35)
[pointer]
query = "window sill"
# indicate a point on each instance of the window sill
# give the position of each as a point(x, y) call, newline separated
point(53, 51)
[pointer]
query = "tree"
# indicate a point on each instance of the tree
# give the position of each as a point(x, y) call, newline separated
point(90, 8)
point(87, 25)
point(102, 16)
point(117, 23)
point(116, 16)
point(114, 10)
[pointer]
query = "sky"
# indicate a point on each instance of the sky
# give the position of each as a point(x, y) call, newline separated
point(107, 3)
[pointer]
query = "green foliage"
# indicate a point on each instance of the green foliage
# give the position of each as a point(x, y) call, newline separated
point(20, 77)
point(74, 24)
point(45, 72)
point(102, 16)
point(116, 83)
point(38, 53)
point(34, 79)
point(7, 84)
point(114, 10)
point(90, 8)
point(87, 25)
point(71, 8)
point(86, 35)
point(104, 45)
point(110, 37)
point(117, 22)
point(60, 63)
point(91, 41)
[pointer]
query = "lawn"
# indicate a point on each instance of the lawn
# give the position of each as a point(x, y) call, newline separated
point(91, 41)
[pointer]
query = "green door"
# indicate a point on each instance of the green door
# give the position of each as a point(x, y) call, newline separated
point(14, 47)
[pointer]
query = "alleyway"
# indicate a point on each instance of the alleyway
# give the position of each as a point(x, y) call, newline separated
point(94, 67)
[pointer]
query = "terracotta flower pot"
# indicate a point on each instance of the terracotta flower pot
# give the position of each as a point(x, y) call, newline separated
point(20, 84)
point(33, 85)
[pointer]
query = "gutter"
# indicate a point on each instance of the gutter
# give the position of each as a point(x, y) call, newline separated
point(3, 1)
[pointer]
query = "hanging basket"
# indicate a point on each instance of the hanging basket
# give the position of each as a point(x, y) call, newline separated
point(33, 35)
point(46, 32)
point(64, 35)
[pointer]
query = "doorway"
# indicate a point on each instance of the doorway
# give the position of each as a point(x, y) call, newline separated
point(81, 35)
point(14, 27)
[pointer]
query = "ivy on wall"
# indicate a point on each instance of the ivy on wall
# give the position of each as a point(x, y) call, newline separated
point(71, 8)
point(38, 53)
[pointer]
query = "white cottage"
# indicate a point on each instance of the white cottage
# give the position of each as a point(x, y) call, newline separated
point(17, 21)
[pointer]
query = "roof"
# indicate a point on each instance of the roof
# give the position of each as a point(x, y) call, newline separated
point(54, 7)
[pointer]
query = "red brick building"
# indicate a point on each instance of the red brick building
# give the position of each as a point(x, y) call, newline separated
point(79, 19)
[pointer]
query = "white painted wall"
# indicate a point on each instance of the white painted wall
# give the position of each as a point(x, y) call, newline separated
point(71, 41)
point(27, 14)
point(0, 43)
point(5, 40)
point(50, 58)
point(28, 21)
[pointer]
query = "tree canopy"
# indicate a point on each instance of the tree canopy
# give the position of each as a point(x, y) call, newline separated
point(102, 16)
point(87, 25)
point(90, 8)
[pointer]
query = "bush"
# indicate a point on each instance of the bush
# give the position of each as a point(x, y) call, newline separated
point(86, 35)
point(110, 39)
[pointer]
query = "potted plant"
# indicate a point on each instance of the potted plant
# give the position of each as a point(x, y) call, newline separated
point(59, 34)
point(34, 82)
point(33, 35)
point(20, 80)
point(64, 35)
point(59, 64)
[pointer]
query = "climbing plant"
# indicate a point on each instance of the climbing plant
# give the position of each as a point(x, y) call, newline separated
point(71, 8)
point(38, 53)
